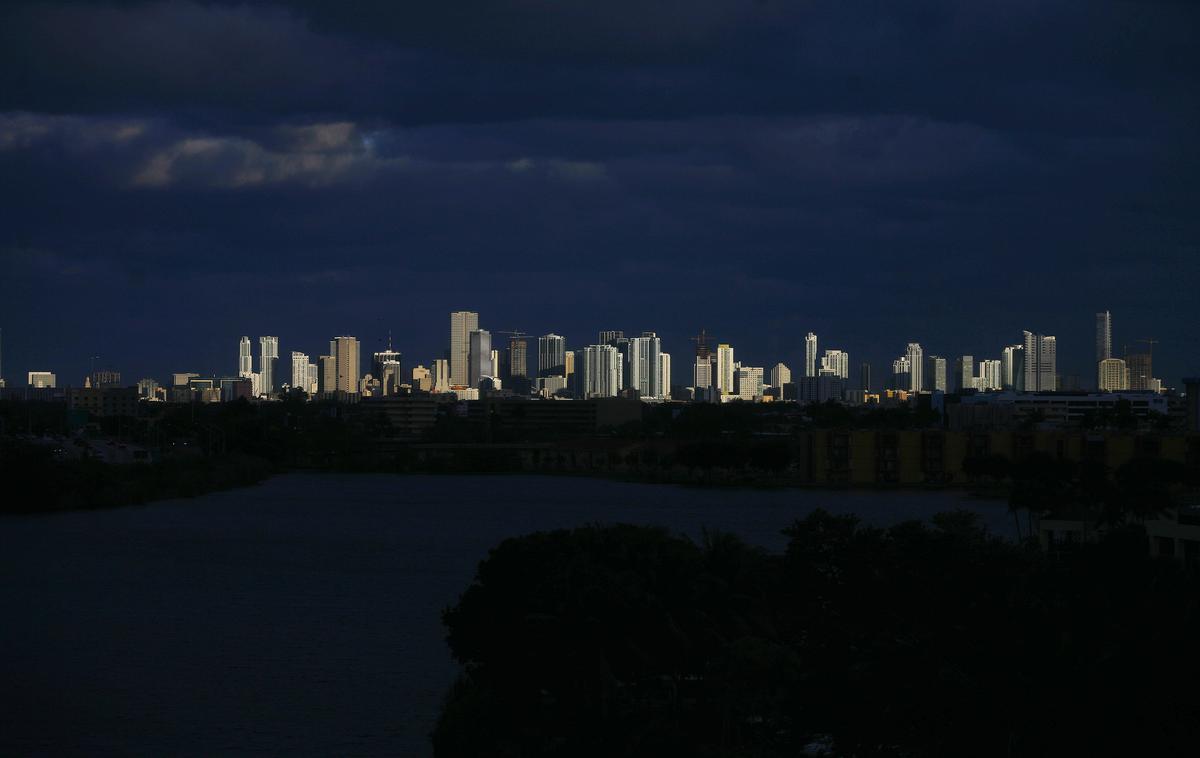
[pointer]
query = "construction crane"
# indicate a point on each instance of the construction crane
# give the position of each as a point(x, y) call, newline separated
point(701, 341)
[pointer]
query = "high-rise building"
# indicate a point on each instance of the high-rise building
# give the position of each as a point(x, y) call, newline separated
point(601, 371)
point(645, 365)
point(245, 358)
point(724, 377)
point(702, 373)
point(422, 379)
point(494, 369)
point(607, 337)
point(836, 363)
point(1103, 336)
point(1141, 370)
point(916, 366)
point(989, 377)
point(313, 379)
point(864, 377)
point(964, 373)
point(268, 355)
point(327, 366)
point(810, 354)
point(441, 375)
point(664, 374)
point(1041, 362)
point(42, 380)
point(1012, 367)
point(780, 375)
point(479, 352)
point(552, 356)
point(462, 323)
point(344, 350)
point(517, 358)
point(902, 373)
point(569, 364)
point(1112, 375)
point(749, 382)
point(387, 369)
point(935, 374)
point(299, 371)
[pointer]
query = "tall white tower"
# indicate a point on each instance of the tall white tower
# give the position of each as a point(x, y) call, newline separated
point(245, 358)
point(267, 356)
point(810, 354)
point(916, 363)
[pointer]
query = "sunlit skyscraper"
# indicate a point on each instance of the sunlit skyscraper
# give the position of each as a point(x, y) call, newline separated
point(344, 350)
point(780, 375)
point(645, 365)
point(601, 371)
point(664, 374)
point(1103, 336)
point(299, 371)
point(916, 366)
point(552, 356)
point(810, 354)
point(245, 358)
point(462, 323)
point(725, 375)
point(267, 357)
point(1041, 362)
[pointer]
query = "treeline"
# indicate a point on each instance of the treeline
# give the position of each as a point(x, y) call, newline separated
point(36, 481)
point(918, 640)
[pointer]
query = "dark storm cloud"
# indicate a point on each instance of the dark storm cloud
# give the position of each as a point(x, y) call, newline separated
point(878, 172)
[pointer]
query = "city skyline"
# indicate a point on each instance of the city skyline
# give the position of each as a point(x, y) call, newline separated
point(1087, 377)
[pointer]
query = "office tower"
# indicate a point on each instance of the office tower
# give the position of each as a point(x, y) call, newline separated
point(935, 377)
point(810, 354)
point(494, 368)
point(380, 359)
point(1012, 367)
point(312, 379)
point(964, 373)
point(245, 359)
point(1041, 362)
point(299, 371)
point(517, 358)
point(1112, 375)
point(344, 350)
point(864, 377)
point(479, 351)
point(702, 373)
point(902, 373)
point(1141, 370)
point(568, 363)
point(1103, 336)
point(836, 363)
point(441, 375)
point(42, 380)
point(607, 337)
point(780, 375)
point(386, 367)
point(268, 354)
point(552, 356)
point(621, 343)
point(749, 382)
point(422, 379)
point(601, 371)
point(462, 323)
point(327, 369)
point(724, 377)
point(645, 365)
point(989, 376)
point(916, 364)
point(664, 374)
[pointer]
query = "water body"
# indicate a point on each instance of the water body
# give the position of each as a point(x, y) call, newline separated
point(301, 616)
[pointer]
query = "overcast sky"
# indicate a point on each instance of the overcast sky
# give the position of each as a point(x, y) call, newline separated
point(178, 174)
